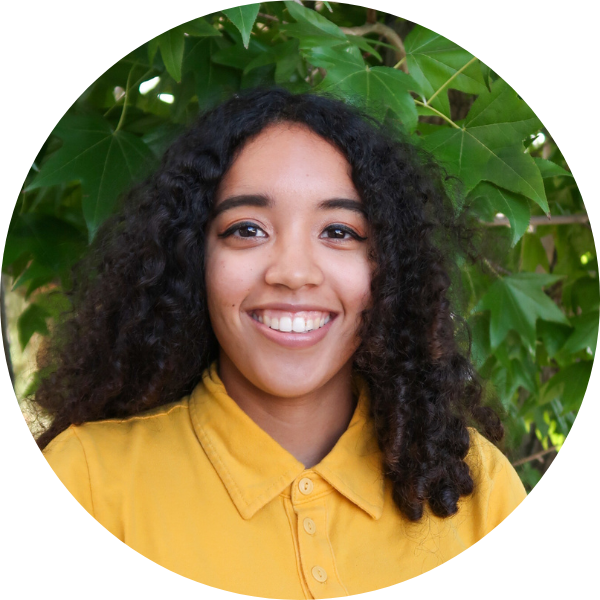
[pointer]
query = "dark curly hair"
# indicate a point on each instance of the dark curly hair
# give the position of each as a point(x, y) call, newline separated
point(139, 334)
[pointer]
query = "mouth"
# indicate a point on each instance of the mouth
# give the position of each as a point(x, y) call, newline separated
point(292, 329)
point(292, 322)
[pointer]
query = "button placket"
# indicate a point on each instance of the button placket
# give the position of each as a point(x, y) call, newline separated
point(316, 555)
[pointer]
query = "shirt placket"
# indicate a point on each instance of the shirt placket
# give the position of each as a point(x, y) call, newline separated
point(309, 493)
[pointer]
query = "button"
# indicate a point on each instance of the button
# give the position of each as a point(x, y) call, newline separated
point(320, 574)
point(309, 526)
point(306, 486)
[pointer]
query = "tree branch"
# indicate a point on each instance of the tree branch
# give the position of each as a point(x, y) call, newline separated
point(387, 32)
point(268, 17)
point(535, 456)
point(535, 221)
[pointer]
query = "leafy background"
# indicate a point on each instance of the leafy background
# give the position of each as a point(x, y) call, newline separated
point(533, 308)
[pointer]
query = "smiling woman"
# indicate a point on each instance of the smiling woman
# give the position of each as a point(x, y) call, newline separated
point(288, 277)
point(263, 367)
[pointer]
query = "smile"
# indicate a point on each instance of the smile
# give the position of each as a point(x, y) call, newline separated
point(291, 338)
point(297, 322)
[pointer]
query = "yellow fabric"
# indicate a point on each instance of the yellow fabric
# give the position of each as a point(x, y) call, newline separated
point(200, 489)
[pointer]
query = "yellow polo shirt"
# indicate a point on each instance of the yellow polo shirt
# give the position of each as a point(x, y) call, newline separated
point(199, 488)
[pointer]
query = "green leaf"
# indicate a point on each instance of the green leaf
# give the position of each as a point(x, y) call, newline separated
point(550, 169)
point(568, 385)
point(31, 320)
point(585, 294)
point(489, 145)
point(171, 45)
point(243, 18)
point(436, 64)
point(214, 82)
point(36, 275)
point(486, 72)
point(315, 23)
point(376, 89)
point(513, 206)
point(365, 45)
point(553, 336)
point(152, 49)
point(51, 242)
point(533, 253)
point(585, 334)
point(480, 335)
point(342, 57)
point(200, 28)
point(285, 57)
point(516, 302)
point(309, 38)
point(161, 137)
point(106, 162)
point(325, 34)
point(522, 375)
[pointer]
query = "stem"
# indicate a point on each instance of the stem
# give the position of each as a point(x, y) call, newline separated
point(399, 64)
point(495, 269)
point(451, 78)
point(125, 98)
point(438, 113)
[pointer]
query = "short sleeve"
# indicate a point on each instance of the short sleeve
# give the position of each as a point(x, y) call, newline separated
point(66, 456)
point(498, 481)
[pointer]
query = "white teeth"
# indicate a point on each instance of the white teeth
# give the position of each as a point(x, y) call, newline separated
point(298, 323)
point(285, 324)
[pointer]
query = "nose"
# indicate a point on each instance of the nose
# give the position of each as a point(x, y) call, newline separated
point(293, 264)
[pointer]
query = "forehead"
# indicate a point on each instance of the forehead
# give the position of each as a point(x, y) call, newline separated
point(288, 157)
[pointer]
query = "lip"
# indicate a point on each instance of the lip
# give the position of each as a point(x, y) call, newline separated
point(292, 308)
point(291, 339)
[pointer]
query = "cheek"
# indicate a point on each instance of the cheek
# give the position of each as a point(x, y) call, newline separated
point(352, 281)
point(229, 279)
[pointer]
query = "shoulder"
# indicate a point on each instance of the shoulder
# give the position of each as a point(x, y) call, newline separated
point(497, 487)
point(484, 458)
point(149, 424)
point(98, 449)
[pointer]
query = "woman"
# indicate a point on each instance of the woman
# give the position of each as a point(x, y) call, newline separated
point(261, 386)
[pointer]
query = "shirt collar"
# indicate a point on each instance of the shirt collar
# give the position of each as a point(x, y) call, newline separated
point(255, 469)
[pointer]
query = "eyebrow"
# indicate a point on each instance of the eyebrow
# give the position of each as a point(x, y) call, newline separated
point(263, 201)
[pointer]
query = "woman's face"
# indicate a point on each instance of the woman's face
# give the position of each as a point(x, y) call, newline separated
point(287, 269)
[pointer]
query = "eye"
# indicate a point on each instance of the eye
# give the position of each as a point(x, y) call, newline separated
point(340, 232)
point(244, 230)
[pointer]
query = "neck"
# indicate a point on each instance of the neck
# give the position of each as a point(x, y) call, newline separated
point(307, 426)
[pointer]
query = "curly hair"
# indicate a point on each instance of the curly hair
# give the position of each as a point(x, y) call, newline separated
point(139, 333)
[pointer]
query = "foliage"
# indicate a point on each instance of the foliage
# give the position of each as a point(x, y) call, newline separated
point(533, 310)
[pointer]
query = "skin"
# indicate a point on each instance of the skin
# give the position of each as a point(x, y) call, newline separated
point(297, 251)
